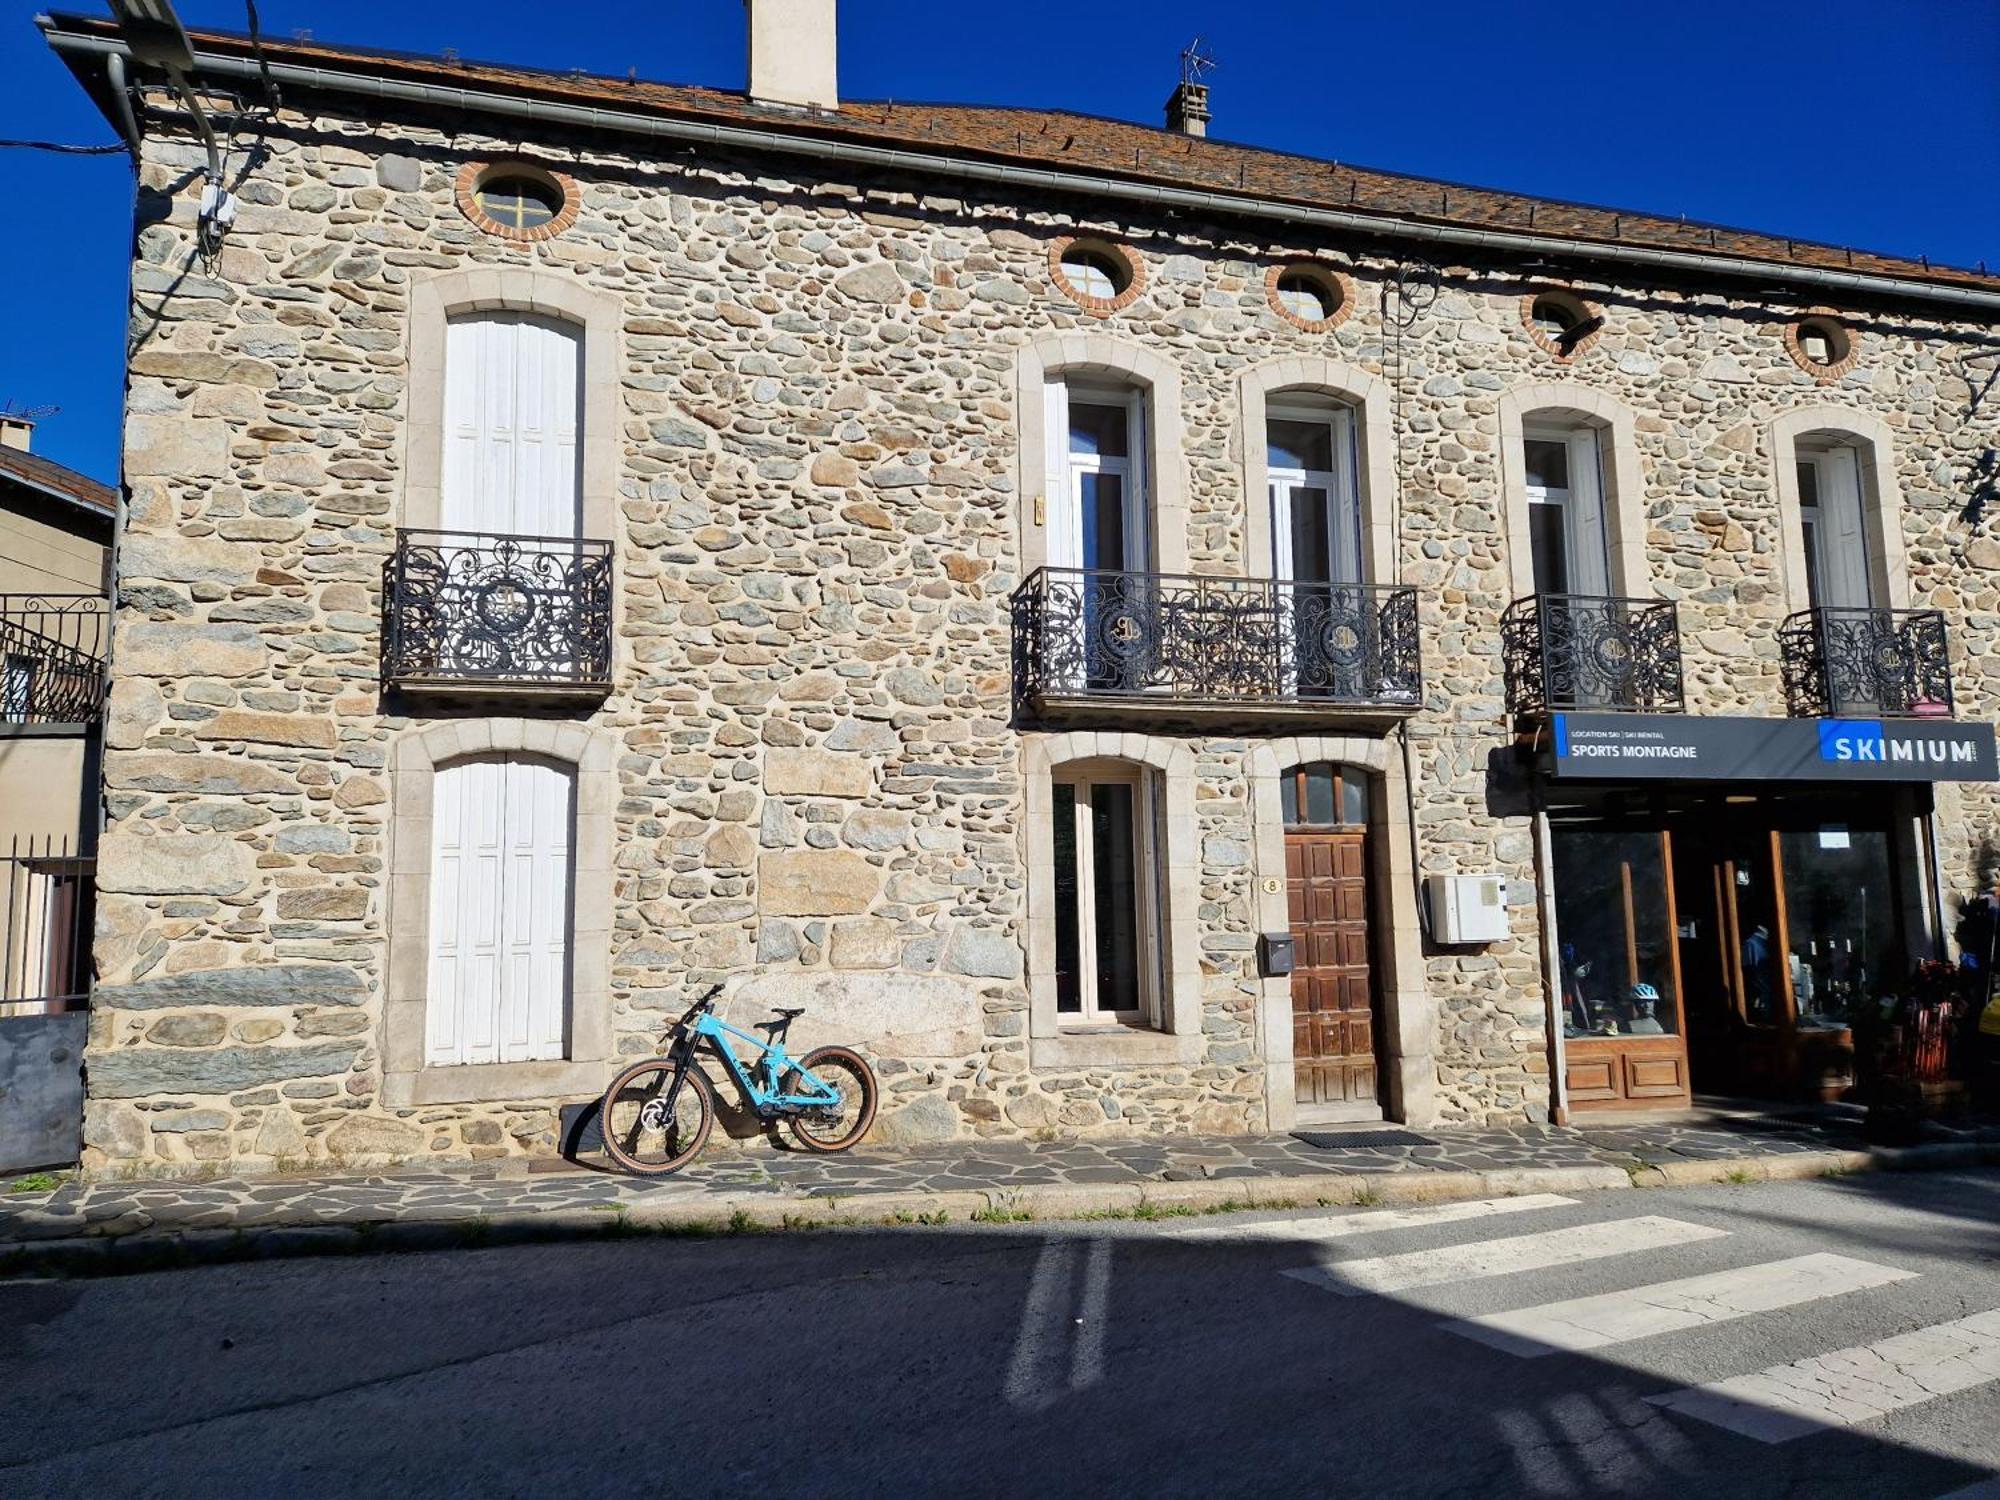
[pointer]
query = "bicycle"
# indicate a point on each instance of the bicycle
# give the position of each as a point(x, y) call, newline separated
point(657, 1114)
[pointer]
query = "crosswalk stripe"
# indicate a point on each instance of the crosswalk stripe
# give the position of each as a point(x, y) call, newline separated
point(1526, 1252)
point(1848, 1385)
point(1376, 1221)
point(1669, 1306)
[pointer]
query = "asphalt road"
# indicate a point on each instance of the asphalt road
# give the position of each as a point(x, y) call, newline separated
point(1058, 1360)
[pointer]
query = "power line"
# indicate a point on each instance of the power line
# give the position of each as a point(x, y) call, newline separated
point(63, 147)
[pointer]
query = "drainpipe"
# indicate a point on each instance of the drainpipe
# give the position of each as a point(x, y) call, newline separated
point(128, 125)
point(1545, 905)
point(1817, 280)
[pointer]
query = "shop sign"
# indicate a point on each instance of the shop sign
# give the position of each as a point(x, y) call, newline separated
point(1690, 747)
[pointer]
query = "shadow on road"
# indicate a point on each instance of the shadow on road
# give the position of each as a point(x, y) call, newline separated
point(1007, 1359)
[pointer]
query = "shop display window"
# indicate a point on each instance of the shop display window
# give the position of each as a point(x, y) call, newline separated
point(1614, 912)
point(1842, 920)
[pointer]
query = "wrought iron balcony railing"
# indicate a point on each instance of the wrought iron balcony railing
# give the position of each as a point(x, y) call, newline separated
point(1084, 637)
point(52, 658)
point(1576, 651)
point(1864, 663)
point(470, 610)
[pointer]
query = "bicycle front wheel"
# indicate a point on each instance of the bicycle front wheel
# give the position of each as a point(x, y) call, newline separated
point(640, 1134)
point(835, 1127)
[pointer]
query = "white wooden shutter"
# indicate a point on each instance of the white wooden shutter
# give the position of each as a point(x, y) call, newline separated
point(511, 428)
point(1843, 535)
point(1344, 523)
point(536, 920)
point(467, 813)
point(1138, 488)
point(500, 913)
point(1065, 520)
point(1589, 541)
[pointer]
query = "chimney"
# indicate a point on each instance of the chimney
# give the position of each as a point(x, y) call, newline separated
point(1187, 109)
point(792, 53)
point(16, 432)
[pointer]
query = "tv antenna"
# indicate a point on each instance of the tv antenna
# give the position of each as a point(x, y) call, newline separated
point(1196, 62)
point(28, 413)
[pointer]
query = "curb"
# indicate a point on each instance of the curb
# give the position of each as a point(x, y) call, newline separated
point(141, 1249)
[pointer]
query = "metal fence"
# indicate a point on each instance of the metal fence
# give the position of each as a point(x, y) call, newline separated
point(1578, 651)
point(52, 658)
point(1860, 663)
point(46, 905)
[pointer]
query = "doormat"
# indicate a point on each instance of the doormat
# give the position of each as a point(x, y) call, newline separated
point(1349, 1140)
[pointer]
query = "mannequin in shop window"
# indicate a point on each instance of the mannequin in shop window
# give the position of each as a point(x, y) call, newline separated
point(1758, 990)
point(1582, 1017)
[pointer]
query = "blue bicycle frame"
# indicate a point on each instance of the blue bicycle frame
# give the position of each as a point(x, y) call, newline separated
point(773, 1062)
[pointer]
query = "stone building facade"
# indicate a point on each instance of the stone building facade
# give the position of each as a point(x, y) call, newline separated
point(812, 428)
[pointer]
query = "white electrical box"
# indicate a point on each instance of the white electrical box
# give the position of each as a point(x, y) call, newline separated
point(1467, 908)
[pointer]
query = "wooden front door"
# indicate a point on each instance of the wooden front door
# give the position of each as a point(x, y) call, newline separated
point(1333, 1012)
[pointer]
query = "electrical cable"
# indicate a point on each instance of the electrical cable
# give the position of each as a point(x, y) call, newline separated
point(63, 147)
point(271, 94)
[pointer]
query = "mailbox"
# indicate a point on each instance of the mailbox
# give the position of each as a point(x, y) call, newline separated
point(1275, 955)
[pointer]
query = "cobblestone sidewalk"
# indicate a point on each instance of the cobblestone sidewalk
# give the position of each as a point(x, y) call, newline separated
point(80, 1222)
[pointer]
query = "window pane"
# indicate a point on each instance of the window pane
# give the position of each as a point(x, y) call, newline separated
point(1113, 837)
point(1090, 274)
point(1617, 945)
point(1547, 463)
point(1103, 497)
point(1097, 428)
point(1354, 798)
point(1299, 297)
point(1319, 794)
point(1551, 549)
point(1300, 445)
point(1288, 798)
point(1840, 914)
point(1312, 559)
point(1808, 483)
point(1069, 988)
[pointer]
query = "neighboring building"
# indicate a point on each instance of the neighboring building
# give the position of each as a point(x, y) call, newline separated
point(995, 576)
point(55, 574)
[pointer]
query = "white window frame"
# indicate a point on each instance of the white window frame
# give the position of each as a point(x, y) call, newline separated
point(1586, 534)
point(1834, 529)
point(1066, 472)
point(1341, 485)
point(1146, 813)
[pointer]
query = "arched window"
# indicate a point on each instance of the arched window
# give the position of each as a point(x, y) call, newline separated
point(512, 425)
point(1098, 490)
point(1315, 491)
point(1833, 525)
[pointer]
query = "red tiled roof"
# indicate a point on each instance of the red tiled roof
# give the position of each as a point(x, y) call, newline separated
point(52, 478)
point(1058, 140)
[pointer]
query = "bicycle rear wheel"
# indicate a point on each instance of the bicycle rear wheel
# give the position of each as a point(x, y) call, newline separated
point(639, 1134)
point(836, 1127)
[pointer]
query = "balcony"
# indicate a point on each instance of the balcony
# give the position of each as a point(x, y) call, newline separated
point(1593, 654)
point(1098, 644)
point(1866, 663)
point(476, 612)
point(52, 659)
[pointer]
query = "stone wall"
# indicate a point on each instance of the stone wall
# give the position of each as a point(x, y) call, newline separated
point(819, 523)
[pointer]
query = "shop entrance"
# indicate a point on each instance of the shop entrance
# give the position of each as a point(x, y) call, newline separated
point(1333, 982)
point(1722, 944)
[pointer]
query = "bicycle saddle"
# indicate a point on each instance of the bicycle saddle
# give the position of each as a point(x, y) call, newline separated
point(782, 1019)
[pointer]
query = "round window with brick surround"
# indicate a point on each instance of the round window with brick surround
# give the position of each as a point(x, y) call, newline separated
point(1097, 275)
point(1822, 346)
point(1561, 324)
point(517, 200)
point(1309, 295)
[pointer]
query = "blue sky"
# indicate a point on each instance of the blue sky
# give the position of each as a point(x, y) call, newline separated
point(1845, 120)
